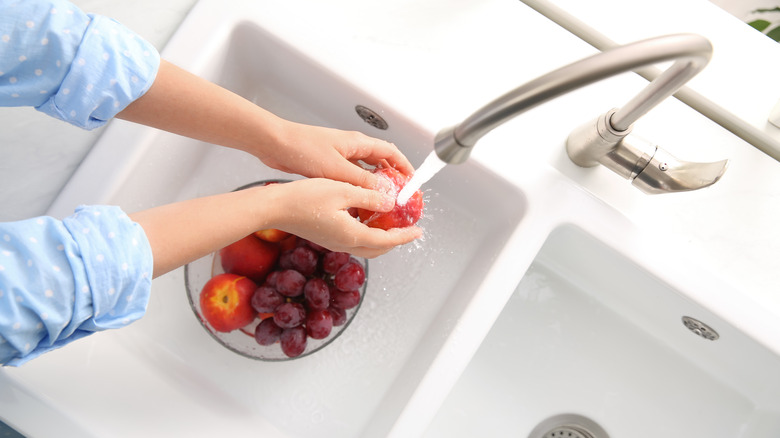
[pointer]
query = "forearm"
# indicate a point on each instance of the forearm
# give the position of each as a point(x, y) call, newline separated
point(185, 231)
point(186, 104)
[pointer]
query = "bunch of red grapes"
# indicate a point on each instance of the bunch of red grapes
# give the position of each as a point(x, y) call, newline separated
point(305, 296)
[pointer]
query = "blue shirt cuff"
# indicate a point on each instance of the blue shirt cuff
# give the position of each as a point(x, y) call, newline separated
point(112, 67)
point(63, 280)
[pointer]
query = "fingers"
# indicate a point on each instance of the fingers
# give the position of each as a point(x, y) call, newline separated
point(356, 175)
point(394, 157)
point(378, 242)
point(375, 151)
point(367, 199)
point(394, 237)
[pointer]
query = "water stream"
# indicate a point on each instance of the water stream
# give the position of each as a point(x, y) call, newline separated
point(430, 167)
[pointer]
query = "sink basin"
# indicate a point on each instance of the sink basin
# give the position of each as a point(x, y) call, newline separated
point(412, 291)
point(588, 332)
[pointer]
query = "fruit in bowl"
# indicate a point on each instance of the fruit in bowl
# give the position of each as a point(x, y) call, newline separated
point(272, 235)
point(251, 257)
point(277, 300)
point(401, 215)
point(225, 302)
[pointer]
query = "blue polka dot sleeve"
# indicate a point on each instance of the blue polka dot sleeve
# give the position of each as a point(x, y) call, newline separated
point(63, 280)
point(77, 67)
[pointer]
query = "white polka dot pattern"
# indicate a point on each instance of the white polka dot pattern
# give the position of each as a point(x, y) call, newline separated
point(80, 68)
point(62, 280)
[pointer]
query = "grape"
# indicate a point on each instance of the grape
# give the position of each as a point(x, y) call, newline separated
point(317, 293)
point(304, 260)
point(270, 280)
point(345, 299)
point(267, 332)
point(293, 341)
point(290, 283)
point(289, 315)
point(339, 316)
point(319, 324)
point(350, 276)
point(285, 260)
point(314, 246)
point(266, 299)
point(332, 261)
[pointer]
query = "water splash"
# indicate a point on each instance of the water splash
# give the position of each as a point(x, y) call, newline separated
point(430, 167)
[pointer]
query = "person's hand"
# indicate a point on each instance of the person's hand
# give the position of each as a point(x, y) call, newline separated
point(317, 210)
point(318, 152)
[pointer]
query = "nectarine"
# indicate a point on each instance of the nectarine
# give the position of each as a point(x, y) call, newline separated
point(250, 257)
point(401, 215)
point(225, 302)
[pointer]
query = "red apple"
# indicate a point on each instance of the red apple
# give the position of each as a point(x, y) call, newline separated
point(272, 235)
point(250, 256)
point(401, 215)
point(225, 302)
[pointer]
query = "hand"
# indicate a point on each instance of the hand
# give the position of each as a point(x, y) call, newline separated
point(318, 152)
point(316, 210)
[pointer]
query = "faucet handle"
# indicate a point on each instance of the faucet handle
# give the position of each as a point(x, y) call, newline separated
point(649, 168)
point(665, 174)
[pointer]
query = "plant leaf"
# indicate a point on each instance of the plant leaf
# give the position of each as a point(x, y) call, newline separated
point(774, 34)
point(775, 9)
point(759, 25)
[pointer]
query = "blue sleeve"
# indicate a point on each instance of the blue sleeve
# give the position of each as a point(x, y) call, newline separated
point(63, 280)
point(77, 67)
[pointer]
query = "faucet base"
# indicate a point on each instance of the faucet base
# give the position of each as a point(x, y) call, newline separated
point(648, 167)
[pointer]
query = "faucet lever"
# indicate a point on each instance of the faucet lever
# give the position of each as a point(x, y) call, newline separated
point(650, 168)
point(665, 173)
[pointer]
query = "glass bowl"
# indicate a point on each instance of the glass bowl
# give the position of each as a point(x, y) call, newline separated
point(242, 341)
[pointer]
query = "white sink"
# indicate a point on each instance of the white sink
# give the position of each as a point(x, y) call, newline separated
point(411, 292)
point(589, 332)
point(593, 323)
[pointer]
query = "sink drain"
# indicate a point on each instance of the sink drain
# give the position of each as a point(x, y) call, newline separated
point(700, 329)
point(568, 432)
point(371, 117)
point(568, 426)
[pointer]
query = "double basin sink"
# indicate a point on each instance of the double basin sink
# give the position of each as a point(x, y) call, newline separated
point(529, 305)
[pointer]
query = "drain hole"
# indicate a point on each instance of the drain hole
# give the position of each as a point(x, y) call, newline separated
point(371, 117)
point(568, 426)
point(568, 432)
point(700, 329)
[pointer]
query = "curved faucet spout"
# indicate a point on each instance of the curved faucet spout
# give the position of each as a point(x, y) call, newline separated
point(691, 53)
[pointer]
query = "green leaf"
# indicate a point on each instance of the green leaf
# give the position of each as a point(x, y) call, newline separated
point(759, 25)
point(774, 34)
point(760, 11)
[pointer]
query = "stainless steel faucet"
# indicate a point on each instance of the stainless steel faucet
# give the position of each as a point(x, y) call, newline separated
point(605, 140)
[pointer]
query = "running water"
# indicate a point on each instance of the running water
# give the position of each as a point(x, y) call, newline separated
point(430, 167)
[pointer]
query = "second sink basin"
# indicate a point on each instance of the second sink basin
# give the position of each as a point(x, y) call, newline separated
point(588, 333)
